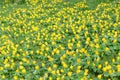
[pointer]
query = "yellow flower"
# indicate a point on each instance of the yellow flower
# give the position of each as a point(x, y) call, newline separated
point(87, 42)
point(15, 77)
point(21, 67)
point(17, 71)
point(63, 77)
point(1, 68)
point(110, 71)
point(53, 72)
point(104, 69)
point(99, 76)
point(46, 75)
point(43, 64)
point(82, 50)
point(57, 51)
point(37, 67)
point(51, 59)
point(71, 67)
point(64, 64)
point(47, 48)
point(21, 78)
point(97, 46)
point(96, 40)
point(69, 74)
point(106, 62)
point(50, 78)
point(78, 44)
point(104, 40)
point(34, 28)
point(23, 71)
point(62, 70)
point(91, 45)
point(41, 78)
point(70, 45)
point(78, 61)
point(113, 60)
point(115, 40)
point(54, 66)
point(7, 65)
point(49, 69)
point(86, 72)
point(53, 43)
point(118, 67)
point(34, 62)
point(106, 49)
point(77, 36)
point(99, 66)
point(3, 76)
point(88, 62)
point(57, 78)
point(96, 52)
point(77, 71)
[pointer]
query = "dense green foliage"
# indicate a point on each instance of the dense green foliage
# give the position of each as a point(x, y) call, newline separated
point(59, 40)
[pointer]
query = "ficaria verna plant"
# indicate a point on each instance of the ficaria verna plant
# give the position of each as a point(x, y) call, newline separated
point(60, 40)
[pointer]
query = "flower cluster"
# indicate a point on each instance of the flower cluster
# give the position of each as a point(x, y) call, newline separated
point(50, 40)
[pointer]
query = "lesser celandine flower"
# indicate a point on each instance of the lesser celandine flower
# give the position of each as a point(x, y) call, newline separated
point(23, 71)
point(99, 76)
point(3, 76)
point(69, 74)
point(21, 78)
point(15, 77)
point(36, 67)
point(118, 67)
point(50, 78)
point(53, 72)
point(106, 49)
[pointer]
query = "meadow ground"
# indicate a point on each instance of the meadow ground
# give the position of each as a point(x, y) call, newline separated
point(60, 40)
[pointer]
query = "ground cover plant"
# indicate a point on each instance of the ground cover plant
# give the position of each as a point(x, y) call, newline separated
point(59, 40)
